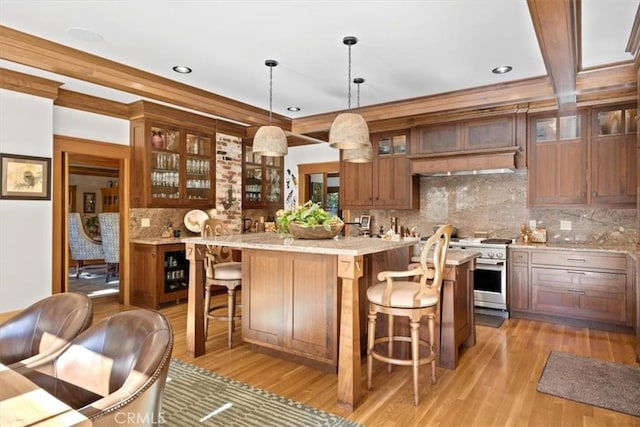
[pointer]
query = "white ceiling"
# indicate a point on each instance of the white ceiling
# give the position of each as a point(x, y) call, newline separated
point(406, 49)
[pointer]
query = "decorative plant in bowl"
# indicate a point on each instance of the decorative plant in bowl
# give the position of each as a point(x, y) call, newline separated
point(309, 221)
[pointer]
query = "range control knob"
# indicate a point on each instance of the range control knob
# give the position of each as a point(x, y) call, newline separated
point(499, 255)
point(491, 254)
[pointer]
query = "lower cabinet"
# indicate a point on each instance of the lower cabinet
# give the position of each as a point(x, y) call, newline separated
point(290, 304)
point(159, 274)
point(572, 285)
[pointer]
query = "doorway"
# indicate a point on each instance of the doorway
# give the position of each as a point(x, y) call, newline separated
point(72, 155)
point(320, 183)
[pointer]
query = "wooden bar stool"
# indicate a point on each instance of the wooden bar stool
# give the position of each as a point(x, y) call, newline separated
point(221, 271)
point(411, 298)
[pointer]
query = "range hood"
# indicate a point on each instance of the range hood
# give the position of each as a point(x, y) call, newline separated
point(464, 163)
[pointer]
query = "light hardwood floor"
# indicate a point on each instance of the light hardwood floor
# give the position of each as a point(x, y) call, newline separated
point(494, 385)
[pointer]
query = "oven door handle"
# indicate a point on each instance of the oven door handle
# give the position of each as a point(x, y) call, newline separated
point(488, 264)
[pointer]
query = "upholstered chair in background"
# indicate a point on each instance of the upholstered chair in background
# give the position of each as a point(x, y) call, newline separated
point(117, 366)
point(414, 293)
point(44, 328)
point(110, 234)
point(221, 270)
point(82, 247)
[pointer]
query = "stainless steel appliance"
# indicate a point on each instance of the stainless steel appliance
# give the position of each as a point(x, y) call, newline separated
point(490, 276)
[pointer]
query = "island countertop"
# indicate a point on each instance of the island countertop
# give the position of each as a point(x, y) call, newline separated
point(456, 256)
point(350, 246)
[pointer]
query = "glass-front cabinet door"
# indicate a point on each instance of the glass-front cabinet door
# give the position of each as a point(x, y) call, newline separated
point(165, 163)
point(198, 167)
point(262, 184)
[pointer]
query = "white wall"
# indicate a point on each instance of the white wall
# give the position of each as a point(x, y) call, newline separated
point(25, 226)
point(81, 124)
point(313, 153)
point(27, 126)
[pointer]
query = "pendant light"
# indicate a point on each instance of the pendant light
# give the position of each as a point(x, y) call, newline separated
point(362, 154)
point(349, 130)
point(270, 140)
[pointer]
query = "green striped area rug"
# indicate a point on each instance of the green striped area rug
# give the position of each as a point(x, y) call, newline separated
point(197, 397)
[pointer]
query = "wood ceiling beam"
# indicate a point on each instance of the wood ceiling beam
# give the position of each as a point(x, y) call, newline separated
point(22, 48)
point(554, 22)
point(26, 83)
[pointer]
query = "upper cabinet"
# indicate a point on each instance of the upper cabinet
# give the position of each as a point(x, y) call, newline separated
point(466, 136)
point(587, 158)
point(613, 165)
point(558, 159)
point(262, 183)
point(173, 162)
point(386, 182)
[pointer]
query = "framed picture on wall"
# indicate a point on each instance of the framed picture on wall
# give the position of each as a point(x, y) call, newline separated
point(89, 202)
point(25, 177)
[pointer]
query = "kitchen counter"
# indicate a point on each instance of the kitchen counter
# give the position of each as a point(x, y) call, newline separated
point(626, 248)
point(157, 240)
point(350, 246)
point(310, 284)
point(456, 256)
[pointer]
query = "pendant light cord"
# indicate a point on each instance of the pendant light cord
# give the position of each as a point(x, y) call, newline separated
point(349, 81)
point(270, 91)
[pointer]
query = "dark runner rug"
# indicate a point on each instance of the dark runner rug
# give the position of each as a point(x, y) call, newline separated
point(197, 397)
point(595, 382)
point(488, 320)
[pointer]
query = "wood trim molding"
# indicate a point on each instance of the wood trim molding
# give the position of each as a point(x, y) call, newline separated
point(26, 83)
point(92, 104)
point(26, 49)
point(555, 26)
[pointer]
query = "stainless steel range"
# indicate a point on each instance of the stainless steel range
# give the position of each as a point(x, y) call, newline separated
point(490, 276)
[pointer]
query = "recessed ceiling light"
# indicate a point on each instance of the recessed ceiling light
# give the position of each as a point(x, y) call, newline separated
point(502, 69)
point(84, 34)
point(293, 109)
point(182, 69)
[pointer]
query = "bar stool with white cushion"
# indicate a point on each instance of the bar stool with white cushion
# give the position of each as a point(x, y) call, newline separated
point(221, 271)
point(400, 295)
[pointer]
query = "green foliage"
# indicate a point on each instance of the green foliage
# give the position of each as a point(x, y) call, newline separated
point(308, 215)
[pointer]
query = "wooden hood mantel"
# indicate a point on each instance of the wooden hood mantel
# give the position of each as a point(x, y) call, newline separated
point(470, 162)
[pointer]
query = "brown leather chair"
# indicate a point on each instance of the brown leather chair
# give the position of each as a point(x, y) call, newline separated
point(44, 328)
point(399, 295)
point(114, 372)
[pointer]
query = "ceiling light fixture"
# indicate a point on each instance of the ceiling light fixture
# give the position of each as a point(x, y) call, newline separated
point(362, 154)
point(182, 69)
point(502, 69)
point(270, 140)
point(293, 109)
point(349, 130)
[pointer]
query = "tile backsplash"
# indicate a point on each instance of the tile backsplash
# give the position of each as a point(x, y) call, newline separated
point(497, 204)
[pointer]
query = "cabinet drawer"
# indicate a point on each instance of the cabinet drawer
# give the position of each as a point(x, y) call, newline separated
point(586, 304)
point(579, 280)
point(519, 257)
point(580, 259)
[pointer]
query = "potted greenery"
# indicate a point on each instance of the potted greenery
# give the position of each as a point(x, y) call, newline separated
point(92, 224)
point(308, 221)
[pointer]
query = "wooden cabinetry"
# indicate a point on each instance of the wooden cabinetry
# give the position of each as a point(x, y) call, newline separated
point(518, 291)
point(291, 304)
point(110, 199)
point(386, 182)
point(558, 160)
point(613, 164)
point(469, 135)
point(573, 163)
point(159, 274)
point(262, 182)
point(173, 158)
point(573, 286)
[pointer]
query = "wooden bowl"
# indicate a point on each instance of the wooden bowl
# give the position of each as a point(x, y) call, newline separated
point(316, 232)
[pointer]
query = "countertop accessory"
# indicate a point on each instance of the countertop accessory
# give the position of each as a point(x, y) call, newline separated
point(314, 232)
point(270, 140)
point(193, 220)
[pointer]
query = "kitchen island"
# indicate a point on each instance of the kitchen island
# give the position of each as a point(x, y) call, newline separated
point(301, 298)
